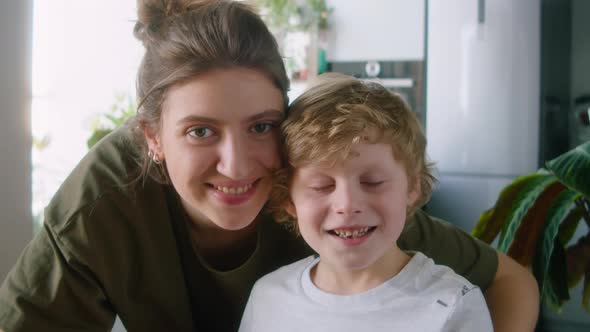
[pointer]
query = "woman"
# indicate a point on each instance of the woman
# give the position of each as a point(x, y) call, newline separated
point(161, 222)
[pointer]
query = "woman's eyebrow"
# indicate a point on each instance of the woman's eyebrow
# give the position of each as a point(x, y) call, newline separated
point(195, 118)
point(266, 114)
point(203, 119)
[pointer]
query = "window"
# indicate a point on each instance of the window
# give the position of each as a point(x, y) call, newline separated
point(84, 56)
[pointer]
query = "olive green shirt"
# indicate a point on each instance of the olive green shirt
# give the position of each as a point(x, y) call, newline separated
point(113, 246)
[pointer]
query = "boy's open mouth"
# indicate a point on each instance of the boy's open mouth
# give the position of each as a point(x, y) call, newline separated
point(348, 233)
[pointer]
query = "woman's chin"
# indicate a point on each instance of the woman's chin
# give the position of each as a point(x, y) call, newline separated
point(234, 227)
point(236, 220)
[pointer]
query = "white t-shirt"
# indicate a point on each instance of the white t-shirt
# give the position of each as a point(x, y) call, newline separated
point(422, 297)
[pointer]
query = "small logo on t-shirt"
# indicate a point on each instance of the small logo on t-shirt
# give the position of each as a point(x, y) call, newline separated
point(466, 290)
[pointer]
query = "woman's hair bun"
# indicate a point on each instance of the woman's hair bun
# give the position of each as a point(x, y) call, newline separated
point(152, 16)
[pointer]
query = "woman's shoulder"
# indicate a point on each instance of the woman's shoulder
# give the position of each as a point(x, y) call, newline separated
point(104, 180)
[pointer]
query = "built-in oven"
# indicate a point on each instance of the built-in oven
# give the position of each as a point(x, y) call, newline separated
point(404, 77)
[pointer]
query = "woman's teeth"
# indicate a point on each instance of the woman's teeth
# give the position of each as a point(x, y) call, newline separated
point(348, 233)
point(234, 190)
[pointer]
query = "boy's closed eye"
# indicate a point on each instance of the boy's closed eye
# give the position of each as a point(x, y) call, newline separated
point(372, 183)
point(325, 187)
point(321, 187)
point(373, 179)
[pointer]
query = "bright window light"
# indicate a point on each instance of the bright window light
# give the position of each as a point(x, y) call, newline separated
point(84, 55)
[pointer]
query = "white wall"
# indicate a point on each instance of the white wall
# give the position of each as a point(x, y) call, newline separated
point(15, 142)
point(382, 30)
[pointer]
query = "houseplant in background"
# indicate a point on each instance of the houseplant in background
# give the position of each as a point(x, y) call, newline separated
point(123, 108)
point(299, 27)
point(537, 215)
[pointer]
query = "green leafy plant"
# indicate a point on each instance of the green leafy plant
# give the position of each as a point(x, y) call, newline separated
point(123, 108)
point(536, 217)
point(295, 15)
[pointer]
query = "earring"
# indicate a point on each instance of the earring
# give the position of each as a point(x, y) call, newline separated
point(154, 157)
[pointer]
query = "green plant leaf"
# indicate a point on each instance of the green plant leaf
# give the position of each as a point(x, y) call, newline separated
point(112, 118)
point(560, 210)
point(520, 206)
point(491, 221)
point(556, 289)
point(96, 136)
point(524, 244)
point(483, 230)
point(586, 292)
point(578, 256)
point(570, 224)
point(550, 298)
point(572, 168)
point(122, 110)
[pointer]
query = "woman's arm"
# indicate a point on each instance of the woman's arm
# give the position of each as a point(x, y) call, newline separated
point(45, 292)
point(513, 297)
point(510, 290)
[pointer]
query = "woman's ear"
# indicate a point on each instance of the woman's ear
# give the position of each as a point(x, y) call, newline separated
point(153, 142)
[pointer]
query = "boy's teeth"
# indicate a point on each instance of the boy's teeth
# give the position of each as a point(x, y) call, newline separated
point(348, 234)
point(234, 190)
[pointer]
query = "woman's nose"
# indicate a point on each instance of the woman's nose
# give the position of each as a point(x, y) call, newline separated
point(234, 162)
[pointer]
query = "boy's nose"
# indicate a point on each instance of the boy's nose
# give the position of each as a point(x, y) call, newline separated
point(348, 201)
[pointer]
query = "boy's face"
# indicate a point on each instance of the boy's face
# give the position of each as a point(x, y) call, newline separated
point(353, 213)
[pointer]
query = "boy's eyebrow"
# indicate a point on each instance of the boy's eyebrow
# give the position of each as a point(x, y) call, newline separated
point(196, 118)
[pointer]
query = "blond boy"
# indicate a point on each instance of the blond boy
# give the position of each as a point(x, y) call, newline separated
point(356, 169)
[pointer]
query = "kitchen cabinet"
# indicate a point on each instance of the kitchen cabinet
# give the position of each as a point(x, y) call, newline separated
point(383, 30)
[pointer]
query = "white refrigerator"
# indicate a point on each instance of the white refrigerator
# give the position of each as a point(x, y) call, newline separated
point(482, 100)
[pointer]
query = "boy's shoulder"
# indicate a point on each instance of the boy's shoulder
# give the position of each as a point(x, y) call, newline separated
point(439, 280)
point(286, 278)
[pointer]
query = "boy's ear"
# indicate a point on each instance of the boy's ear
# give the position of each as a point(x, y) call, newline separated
point(290, 208)
point(414, 192)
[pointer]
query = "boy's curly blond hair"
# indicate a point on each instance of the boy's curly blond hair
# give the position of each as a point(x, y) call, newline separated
point(338, 111)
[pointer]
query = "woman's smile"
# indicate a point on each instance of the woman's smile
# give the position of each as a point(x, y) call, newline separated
point(234, 194)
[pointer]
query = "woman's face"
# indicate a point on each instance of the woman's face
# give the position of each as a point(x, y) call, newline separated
point(219, 138)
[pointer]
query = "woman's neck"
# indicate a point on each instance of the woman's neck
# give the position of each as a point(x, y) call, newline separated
point(340, 281)
point(223, 249)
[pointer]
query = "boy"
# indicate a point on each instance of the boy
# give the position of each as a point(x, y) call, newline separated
point(356, 169)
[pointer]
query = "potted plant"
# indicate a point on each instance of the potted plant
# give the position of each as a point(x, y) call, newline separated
point(298, 26)
point(104, 123)
point(537, 215)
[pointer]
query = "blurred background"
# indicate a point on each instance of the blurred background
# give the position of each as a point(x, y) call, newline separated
point(501, 86)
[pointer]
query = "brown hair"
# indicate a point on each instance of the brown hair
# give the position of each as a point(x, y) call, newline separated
point(338, 111)
point(184, 39)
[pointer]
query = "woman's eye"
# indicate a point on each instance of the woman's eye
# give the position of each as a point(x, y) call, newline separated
point(372, 183)
point(261, 128)
point(201, 132)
